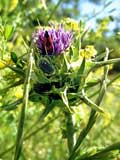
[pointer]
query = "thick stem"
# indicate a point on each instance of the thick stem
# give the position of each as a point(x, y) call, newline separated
point(103, 63)
point(71, 137)
point(19, 140)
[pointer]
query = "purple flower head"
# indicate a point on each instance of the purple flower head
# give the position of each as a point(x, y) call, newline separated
point(52, 41)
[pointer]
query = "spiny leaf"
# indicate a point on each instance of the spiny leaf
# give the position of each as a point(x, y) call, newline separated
point(91, 103)
point(80, 73)
point(47, 110)
point(65, 99)
point(41, 77)
point(11, 106)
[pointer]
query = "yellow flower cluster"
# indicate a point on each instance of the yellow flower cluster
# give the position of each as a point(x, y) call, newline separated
point(88, 52)
point(18, 92)
point(103, 26)
point(2, 63)
point(73, 24)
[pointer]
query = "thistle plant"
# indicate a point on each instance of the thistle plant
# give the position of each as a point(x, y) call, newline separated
point(64, 84)
point(55, 73)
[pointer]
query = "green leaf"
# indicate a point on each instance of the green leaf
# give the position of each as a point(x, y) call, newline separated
point(8, 31)
point(71, 52)
point(107, 153)
point(82, 67)
point(34, 97)
point(14, 57)
point(47, 110)
point(80, 72)
point(91, 103)
point(76, 50)
point(11, 106)
point(16, 69)
point(66, 64)
point(41, 77)
point(65, 99)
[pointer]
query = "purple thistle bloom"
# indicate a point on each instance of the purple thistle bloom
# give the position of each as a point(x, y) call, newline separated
point(53, 41)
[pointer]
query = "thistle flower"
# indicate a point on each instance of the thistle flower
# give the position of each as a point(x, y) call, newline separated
point(52, 42)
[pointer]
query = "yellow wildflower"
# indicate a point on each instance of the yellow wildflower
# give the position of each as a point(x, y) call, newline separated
point(107, 119)
point(88, 52)
point(73, 24)
point(103, 26)
point(19, 92)
point(2, 63)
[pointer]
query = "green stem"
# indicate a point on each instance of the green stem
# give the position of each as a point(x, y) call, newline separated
point(114, 146)
point(103, 63)
point(113, 80)
point(19, 140)
point(107, 62)
point(71, 137)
